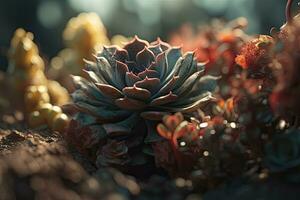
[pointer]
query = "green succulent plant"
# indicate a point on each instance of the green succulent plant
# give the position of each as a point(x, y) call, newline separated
point(126, 92)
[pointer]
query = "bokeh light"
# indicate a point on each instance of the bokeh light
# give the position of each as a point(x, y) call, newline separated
point(49, 13)
point(147, 18)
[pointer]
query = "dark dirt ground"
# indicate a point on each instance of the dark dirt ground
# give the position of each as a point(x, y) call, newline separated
point(38, 164)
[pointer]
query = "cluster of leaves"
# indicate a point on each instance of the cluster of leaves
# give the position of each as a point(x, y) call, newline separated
point(253, 130)
point(248, 126)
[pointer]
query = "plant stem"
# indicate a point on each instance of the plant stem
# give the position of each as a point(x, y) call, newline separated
point(288, 13)
point(174, 145)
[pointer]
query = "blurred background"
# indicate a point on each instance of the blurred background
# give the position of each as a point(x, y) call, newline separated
point(146, 18)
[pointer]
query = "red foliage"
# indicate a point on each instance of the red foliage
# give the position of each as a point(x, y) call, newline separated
point(217, 44)
point(255, 54)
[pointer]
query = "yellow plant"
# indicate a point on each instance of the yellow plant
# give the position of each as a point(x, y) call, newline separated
point(84, 35)
point(28, 82)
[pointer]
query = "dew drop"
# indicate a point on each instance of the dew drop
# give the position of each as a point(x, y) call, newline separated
point(203, 125)
point(233, 125)
point(182, 144)
point(282, 124)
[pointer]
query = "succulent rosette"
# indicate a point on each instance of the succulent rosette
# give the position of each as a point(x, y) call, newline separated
point(126, 94)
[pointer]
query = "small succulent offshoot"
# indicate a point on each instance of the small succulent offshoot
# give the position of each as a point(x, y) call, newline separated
point(173, 128)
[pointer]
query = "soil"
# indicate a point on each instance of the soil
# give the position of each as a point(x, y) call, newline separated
point(39, 164)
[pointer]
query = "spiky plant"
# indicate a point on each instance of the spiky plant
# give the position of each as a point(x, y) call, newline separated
point(127, 93)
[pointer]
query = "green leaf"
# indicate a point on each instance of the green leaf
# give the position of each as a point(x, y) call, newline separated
point(124, 126)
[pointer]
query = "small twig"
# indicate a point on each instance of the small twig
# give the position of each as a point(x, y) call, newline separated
point(288, 13)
